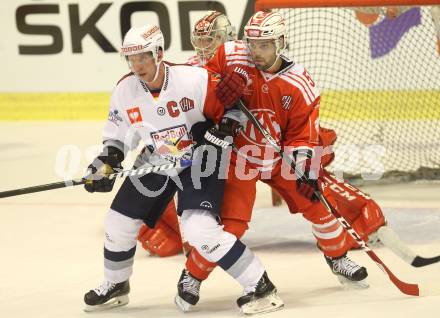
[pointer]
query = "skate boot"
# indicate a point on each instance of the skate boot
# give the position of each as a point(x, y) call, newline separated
point(263, 299)
point(107, 295)
point(349, 274)
point(188, 289)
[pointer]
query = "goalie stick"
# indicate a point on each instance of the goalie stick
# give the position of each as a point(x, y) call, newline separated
point(406, 288)
point(391, 240)
point(75, 182)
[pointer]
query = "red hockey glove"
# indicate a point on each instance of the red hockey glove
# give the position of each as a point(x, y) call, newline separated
point(308, 174)
point(230, 89)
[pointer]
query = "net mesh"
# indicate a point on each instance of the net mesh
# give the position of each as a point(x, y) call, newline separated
point(380, 88)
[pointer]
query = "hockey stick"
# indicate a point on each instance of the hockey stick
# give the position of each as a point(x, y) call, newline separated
point(70, 183)
point(406, 288)
point(391, 240)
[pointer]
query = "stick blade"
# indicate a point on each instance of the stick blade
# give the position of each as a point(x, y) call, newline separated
point(420, 261)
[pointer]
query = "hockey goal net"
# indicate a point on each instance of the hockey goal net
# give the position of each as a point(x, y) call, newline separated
point(378, 69)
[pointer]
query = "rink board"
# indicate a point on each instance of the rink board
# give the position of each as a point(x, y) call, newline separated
point(335, 105)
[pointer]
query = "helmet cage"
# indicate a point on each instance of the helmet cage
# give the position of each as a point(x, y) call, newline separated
point(210, 32)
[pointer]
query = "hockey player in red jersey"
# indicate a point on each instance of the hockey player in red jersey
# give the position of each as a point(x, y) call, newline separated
point(362, 212)
point(284, 98)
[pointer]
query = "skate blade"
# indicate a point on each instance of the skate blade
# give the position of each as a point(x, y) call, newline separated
point(112, 303)
point(182, 305)
point(271, 302)
point(350, 284)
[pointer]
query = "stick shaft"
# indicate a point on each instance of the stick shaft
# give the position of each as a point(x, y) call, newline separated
point(70, 183)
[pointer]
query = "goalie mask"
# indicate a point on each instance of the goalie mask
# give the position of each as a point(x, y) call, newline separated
point(266, 26)
point(210, 32)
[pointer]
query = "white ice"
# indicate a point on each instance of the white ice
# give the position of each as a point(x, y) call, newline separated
point(51, 246)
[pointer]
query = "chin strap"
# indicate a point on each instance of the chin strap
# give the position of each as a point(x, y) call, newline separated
point(157, 70)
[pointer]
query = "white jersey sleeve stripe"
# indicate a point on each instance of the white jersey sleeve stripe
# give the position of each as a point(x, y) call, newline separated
point(305, 83)
point(299, 86)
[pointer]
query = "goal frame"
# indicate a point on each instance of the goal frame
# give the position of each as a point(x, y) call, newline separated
point(284, 4)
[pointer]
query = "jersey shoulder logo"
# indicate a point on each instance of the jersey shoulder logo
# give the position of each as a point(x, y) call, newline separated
point(114, 117)
point(186, 104)
point(286, 102)
point(134, 114)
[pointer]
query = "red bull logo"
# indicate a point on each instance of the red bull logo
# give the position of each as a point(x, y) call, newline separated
point(172, 141)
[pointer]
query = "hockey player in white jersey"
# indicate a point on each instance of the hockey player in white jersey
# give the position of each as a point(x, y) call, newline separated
point(165, 106)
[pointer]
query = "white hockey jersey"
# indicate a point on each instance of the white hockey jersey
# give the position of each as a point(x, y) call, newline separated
point(186, 98)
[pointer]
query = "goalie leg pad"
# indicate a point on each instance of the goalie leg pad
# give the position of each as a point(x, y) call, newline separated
point(164, 239)
point(360, 211)
point(161, 241)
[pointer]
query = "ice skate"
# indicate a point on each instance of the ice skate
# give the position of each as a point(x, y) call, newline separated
point(350, 274)
point(264, 299)
point(188, 289)
point(107, 295)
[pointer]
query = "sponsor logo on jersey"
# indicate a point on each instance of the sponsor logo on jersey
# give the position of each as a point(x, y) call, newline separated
point(172, 142)
point(114, 117)
point(285, 102)
point(161, 111)
point(134, 114)
point(186, 104)
point(265, 88)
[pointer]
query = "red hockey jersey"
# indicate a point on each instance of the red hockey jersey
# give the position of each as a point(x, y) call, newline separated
point(286, 103)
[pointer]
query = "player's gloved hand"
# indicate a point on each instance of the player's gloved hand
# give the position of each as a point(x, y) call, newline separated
point(108, 162)
point(223, 135)
point(308, 173)
point(231, 87)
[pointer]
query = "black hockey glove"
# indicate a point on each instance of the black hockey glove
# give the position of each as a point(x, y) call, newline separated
point(223, 135)
point(308, 177)
point(108, 162)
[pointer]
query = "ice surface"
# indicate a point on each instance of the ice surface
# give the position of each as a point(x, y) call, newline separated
point(51, 246)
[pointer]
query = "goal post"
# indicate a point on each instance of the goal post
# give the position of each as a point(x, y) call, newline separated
point(377, 64)
point(279, 4)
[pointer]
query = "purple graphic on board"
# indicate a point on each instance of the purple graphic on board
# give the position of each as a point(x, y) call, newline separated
point(385, 35)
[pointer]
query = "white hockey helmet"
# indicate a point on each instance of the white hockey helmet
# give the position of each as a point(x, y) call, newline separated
point(148, 38)
point(265, 25)
point(212, 30)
